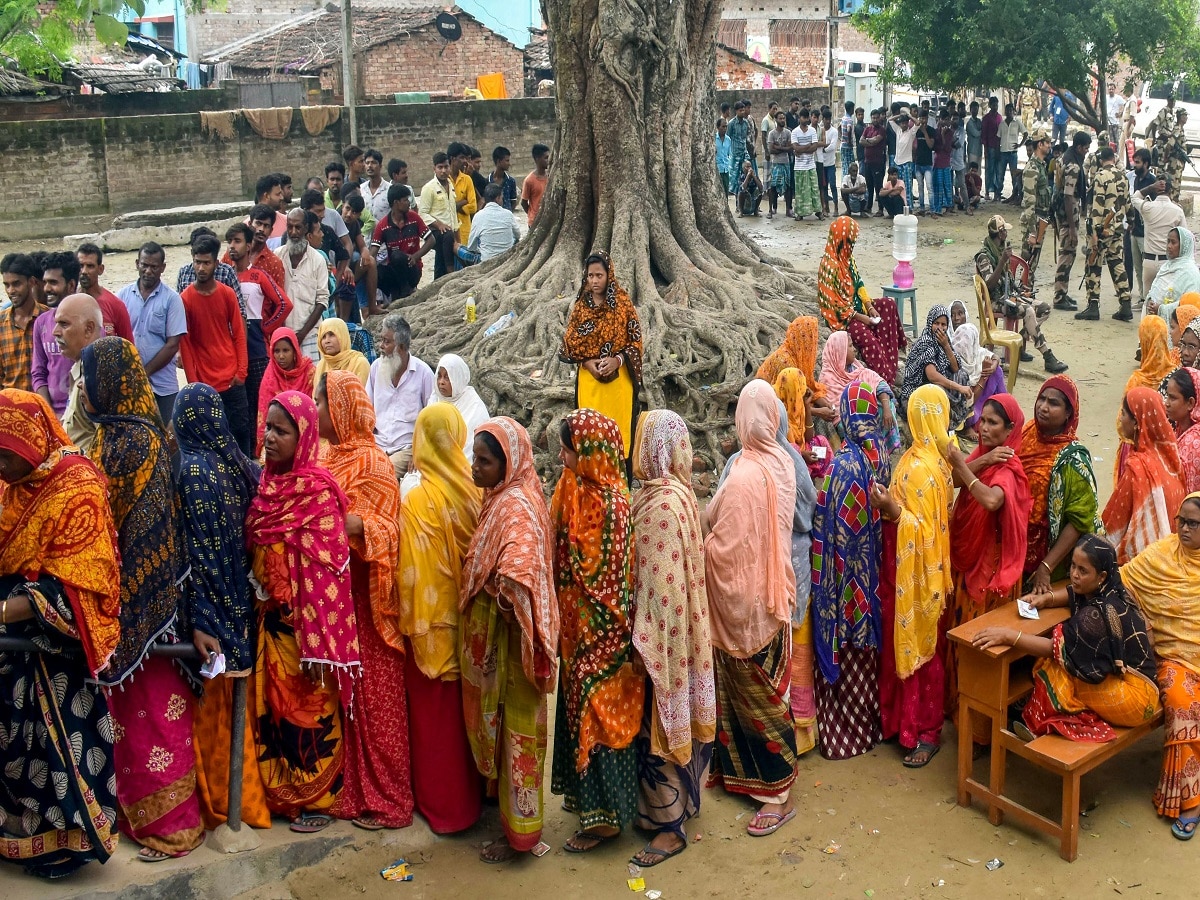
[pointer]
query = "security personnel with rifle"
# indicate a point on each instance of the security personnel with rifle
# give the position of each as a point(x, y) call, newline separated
point(1035, 203)
point(1170, 144)
point(1070, 189)
point(1105, 227)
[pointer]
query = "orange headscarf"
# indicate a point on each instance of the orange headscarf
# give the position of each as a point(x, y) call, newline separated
point(798, 351)
point(1188, 309)
point(1038, 455)
point(790, 387)
point(837, 275)
point(1149, 483)
point(57, 520)
point(369, 480)
point(612, 327)
point(1156, 356)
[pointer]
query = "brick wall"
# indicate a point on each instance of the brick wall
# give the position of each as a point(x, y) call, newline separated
point(802, 66)
point(741, 73)
point(421, 61)
point(106, 166)
point(239, 18)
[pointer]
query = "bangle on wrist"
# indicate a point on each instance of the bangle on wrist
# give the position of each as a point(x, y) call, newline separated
point(1043, 563)
point(4, 611)
point(1020, 634)
point(974, 481)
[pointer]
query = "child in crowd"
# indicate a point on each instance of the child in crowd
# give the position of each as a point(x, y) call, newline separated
point(974, 186)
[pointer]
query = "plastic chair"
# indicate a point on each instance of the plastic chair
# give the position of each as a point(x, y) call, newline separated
point(991, 336)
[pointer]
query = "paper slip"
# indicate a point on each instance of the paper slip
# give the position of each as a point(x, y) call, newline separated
point(1027, 611)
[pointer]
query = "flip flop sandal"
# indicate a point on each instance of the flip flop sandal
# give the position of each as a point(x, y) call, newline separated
point(662, 855)
point(367, 823)
point(763, 830)
point(1184, 829)
point(930, 751)
point(1021, 730)
point(589, 836)
point(310, 824)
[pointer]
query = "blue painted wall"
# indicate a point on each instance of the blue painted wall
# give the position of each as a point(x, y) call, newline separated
point(511, 18)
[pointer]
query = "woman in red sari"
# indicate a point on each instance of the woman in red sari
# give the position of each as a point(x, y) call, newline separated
point(377, 786)
point(308, 655)
point(989, 528)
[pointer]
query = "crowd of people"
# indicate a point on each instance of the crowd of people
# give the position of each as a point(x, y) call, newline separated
point(352, 531)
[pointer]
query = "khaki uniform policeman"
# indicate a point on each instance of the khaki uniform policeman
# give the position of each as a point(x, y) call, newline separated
point(1105, 230)
point(1070, 186)
point(1035, 202)
point(1169, 144)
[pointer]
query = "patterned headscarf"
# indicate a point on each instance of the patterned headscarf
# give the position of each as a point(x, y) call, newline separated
point(671, 627)
point(276, 380)
point(798, 351)
point(301, 506)
point(57, 521)
point(837, 275)
point(368, 478)
point(513, 541)
point(926, 351)
point(594, 331)
point(594, 576)
point(216, 484)
point(846, 536)
point(130, 449)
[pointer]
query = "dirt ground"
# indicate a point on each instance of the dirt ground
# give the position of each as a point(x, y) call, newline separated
point(866, 827)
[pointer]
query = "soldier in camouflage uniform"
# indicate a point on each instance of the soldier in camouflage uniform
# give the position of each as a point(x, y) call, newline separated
point(1035, 203)
point(1070, 185)
point(1091, 165)
point(1170, 145)
point(1011, 300)
point(1105, 229)
point(1176, 150)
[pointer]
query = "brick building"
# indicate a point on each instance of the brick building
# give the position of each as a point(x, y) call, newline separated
point(792, 36)
point(738, 72)
point(215, 27)
point(395, 50)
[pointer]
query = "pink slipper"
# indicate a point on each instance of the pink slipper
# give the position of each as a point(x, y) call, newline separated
point(756, 830)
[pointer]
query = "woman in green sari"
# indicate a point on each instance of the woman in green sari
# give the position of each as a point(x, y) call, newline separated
point(1061, 482)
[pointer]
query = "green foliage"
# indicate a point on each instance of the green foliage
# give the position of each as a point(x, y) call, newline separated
point(1075, 44)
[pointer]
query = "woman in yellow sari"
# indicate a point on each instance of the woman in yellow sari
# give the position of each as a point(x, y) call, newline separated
point(1164, 581)
point(915, 580)
point(604, 339)
point(437, 520)
point(337, 354)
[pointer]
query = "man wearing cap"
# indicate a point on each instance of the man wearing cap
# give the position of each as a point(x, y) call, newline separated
point(1105, 230)
point(1035, 203)
point(992, 265)
point(1070, 185)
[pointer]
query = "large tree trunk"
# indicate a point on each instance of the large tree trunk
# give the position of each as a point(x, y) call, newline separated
point(633, 173)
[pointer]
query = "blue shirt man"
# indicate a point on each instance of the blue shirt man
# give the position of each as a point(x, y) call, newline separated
point(157, 315)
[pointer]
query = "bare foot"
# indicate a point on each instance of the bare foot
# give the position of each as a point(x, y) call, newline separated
point(498, 851)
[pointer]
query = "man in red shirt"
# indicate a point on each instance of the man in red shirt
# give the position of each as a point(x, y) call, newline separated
point(991, 148)
point(262, 221)
point(116, 316)
point(534, 184)
point(405, 238)
point(214, 348)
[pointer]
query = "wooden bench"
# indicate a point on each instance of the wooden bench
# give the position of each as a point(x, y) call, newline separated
point(988, 682)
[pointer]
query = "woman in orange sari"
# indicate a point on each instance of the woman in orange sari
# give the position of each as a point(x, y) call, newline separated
point(1164, 581)
point(1149, 480)
point(600, 694)
point(799, 351)
point(59, 584)
point(377, 788)
point(793, 389)
point(308, 655)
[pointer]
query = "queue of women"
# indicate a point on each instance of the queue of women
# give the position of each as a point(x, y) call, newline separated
point(402, 652)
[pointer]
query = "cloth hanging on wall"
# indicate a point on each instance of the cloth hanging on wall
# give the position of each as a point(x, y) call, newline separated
point(220, 123)
point(272, 123)
point(318, 118)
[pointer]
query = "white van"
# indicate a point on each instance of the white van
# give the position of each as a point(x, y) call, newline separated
point(1153, 98)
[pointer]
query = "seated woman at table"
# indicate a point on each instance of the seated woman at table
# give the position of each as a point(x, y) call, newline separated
point(1164, 581)
point(1149, 479)
point(1096, 669)
point(874, 325)
point(988, 530)
point(1062, 483)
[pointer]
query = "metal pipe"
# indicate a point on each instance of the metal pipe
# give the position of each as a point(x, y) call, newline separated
point(237, 735)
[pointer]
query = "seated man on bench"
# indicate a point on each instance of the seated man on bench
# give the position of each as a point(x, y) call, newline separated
point(1097, 668)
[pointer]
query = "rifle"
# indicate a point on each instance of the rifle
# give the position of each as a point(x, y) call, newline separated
point(1094, 253)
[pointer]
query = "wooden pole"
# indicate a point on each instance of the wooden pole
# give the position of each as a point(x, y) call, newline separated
point(349, 86)
point(237, 735)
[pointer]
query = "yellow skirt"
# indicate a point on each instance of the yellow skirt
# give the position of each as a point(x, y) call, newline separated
point(614, 399)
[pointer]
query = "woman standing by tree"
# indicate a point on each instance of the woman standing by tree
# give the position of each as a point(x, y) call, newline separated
point(510, 625)
point(604, 339)
point(377, 787)
point(600, 694)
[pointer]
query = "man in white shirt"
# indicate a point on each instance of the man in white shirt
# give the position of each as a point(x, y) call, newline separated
point(805, 143)
point(902, 126)
point(1159, 215)
point(305, 280)
point(439, 209)
point(399, 386)
point(1012, 136)
point(854, 192)
point(374, 189)
point(493, 230)
point(829, 137)
point(1116, 106)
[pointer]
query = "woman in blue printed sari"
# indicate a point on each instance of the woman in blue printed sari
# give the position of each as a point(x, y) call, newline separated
point(845, 594)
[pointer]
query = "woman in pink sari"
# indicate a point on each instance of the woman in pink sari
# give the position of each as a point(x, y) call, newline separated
point(840, 368)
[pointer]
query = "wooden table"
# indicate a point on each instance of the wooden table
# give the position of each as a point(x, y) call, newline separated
point(987, 684)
